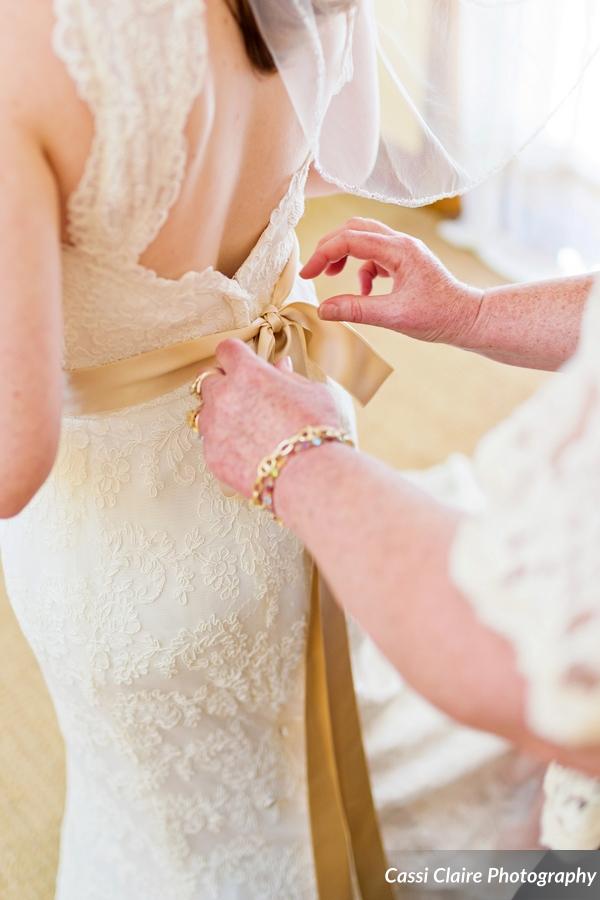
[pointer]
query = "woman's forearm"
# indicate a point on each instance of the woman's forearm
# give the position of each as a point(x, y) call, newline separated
point(534, 325)
point(366, 525)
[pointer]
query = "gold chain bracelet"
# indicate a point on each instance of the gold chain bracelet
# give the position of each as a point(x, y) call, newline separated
point(270, 467)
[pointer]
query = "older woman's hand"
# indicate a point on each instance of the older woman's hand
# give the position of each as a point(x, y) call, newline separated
point(425, 302)
point(536, 324)
point(253, 406)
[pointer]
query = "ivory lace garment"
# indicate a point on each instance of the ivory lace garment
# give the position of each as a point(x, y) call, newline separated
point(170, 620)
point(530, 563)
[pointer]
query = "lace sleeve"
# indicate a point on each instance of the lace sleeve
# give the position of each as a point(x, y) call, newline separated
point(530, 561)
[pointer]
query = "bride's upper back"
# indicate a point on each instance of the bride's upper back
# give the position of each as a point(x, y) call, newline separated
point(169, 147)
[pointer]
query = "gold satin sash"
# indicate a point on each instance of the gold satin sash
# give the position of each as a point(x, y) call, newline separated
point(317, 349)
point(348, 853)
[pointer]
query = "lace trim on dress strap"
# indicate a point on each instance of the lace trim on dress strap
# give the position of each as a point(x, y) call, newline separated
point(136, 164)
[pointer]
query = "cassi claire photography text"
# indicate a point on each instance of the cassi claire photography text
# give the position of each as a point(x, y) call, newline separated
point(492, 875)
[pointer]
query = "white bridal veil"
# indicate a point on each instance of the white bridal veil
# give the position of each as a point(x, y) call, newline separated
point(382, 87)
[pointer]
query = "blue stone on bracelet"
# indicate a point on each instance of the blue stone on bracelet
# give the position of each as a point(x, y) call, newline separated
point(317, 441)
point(267, 500)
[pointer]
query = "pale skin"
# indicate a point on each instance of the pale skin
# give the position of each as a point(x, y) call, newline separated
point(244, 145)
point(383, 544)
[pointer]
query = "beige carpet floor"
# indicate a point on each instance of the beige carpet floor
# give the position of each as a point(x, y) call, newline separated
point(438, 401)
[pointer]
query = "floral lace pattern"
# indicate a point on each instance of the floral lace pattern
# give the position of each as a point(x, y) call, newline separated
point(170, 623)
point(530, 564)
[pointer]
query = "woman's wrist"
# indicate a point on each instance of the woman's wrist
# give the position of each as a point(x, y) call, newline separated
point(311, 437)
point(299, 487)
point(471, 331)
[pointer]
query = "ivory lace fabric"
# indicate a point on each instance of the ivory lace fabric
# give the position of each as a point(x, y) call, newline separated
point(530, 564)
point(168, 619)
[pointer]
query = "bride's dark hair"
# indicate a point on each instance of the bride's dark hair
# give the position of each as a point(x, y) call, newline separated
point(258, 52)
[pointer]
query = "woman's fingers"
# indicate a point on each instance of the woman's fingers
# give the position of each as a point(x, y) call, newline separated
point(381, 248)
point(232, 353)
point(285, 364)
point(357, 223)
point(382, 311)
point(230, 356)
point(367, 275)
point(206, 381)
point(336, 267)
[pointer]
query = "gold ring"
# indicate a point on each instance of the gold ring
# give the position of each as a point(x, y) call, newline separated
point(192, 420)
point(196, 388)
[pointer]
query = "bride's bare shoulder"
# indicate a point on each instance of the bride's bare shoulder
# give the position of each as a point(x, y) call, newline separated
point(30, 73)
point(38, 100)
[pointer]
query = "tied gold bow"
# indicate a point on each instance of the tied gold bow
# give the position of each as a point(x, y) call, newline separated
point(348, 853)
point(317, 348)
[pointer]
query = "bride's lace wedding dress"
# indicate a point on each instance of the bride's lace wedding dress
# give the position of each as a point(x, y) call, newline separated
point(170, 620)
